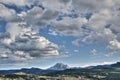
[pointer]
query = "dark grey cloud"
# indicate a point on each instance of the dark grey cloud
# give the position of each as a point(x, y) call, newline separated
point(4, 35)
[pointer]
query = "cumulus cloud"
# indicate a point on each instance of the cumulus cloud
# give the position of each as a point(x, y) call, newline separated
point(37, 17)
point(27, 45)
point(101, 36)
point(8, 14)
point(69, 26)
point(114, 45)
point(58, 5)
point(18, 3)
point(101, 27)
point(21, 42)
point(35, 45)
point(96, 22)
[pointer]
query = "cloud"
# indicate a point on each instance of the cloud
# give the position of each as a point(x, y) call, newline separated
point(58, 5)
point(37, 17)
point(4, 35)
point(21, 44)
point(22, 40)
point(17, 3)
point(8, 14)
point(82, 6)
point(27, 45)
point(97, 63)
point(94, 52)
point(76, 42)
point(114, 45)
point(52, 32)
point(91, 64)
point(76, 51)
point(69, 26)
point(35, 45)
point(101, 36)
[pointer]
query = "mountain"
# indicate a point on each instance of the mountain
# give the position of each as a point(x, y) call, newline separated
point(108, 66)
point(116, 65)
point(101, 67)
point(56, 67)
point(27, 71)
point(110, 72)
point(59, 66)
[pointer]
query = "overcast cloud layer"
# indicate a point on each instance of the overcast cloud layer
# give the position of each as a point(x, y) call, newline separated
point(93, 21)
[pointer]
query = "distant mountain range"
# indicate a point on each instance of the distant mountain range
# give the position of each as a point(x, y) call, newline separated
point(105, 66)
point(57, 67)
point(26, 70)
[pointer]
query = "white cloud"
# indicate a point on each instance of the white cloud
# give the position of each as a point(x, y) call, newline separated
point(14, 29)
point(69, 26)
point(114, 45)
point(83, 6)
point(8, 14)
point(76, 51)
point(58, 5)
point(94, 52)
point(101, 36)
point(37, 17)
point(101, 28)
point(52, 32)
point(99, 63)
point(91, 64)
point(76, 42)
point(23, 44)
point(17, 2)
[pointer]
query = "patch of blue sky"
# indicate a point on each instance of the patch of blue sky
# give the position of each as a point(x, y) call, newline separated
point(88, 15)
point(58, 39)
point(2, 26)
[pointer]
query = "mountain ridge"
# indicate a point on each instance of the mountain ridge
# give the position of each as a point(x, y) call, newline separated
point(56, 67)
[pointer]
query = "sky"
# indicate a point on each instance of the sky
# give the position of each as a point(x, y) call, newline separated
point(40, 33)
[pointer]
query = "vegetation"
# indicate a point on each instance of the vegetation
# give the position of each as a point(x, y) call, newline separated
point(92, 74)
point(69, 74)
